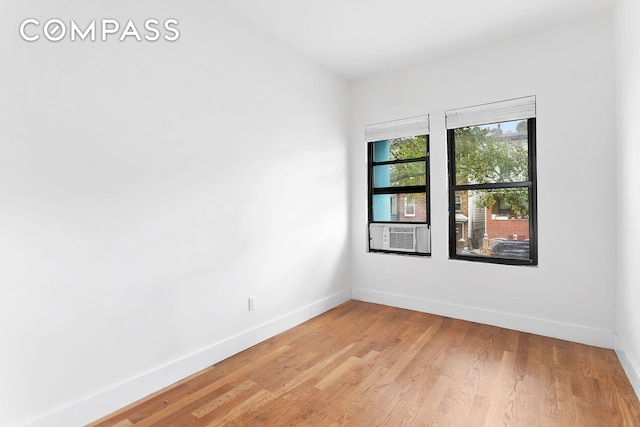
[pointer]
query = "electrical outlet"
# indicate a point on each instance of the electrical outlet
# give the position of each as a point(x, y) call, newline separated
point(252, 303)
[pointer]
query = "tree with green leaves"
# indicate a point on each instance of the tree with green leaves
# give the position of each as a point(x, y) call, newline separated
point(412, 173)
point(485, 154)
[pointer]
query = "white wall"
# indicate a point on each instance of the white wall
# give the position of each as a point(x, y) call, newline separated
point(571, 294)
point(628, 111)
point(147, 189)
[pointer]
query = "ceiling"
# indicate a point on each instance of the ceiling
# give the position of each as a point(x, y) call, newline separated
point(356, 38)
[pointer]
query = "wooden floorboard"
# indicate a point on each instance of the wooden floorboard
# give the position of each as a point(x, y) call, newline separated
point(364, 364)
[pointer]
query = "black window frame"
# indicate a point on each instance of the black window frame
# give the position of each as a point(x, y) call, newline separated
point(530, 184)
point(409, 189)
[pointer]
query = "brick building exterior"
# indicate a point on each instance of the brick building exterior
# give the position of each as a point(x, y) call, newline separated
point(411, 208)
point(471, 226)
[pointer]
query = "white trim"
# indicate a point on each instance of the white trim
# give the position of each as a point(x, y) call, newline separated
point(411, 126)
point(576, 333)
point(104, 402)
point(630, 366)
point(495, 112)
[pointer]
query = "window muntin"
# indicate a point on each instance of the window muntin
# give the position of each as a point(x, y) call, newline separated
point(493, 192)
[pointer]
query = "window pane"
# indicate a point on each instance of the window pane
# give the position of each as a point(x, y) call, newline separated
point(492, 153)
point(400, 175)
point(400, 149)
point(493, 223)
point(393, 207)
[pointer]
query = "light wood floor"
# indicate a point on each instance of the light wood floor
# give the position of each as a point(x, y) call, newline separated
point(364, 364)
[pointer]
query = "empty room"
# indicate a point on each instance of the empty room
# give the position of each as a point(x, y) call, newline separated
point(243, 212)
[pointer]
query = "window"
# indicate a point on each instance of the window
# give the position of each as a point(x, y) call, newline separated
point(398, 193)
point(504, 208)
point(492, 182)
point(410, 205)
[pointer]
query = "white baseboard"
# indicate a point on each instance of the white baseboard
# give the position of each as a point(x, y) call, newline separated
point(630, 366)
point(100, 404)
point(575, 333)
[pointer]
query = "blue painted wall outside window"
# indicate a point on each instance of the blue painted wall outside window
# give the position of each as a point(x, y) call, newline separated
point(381, 178)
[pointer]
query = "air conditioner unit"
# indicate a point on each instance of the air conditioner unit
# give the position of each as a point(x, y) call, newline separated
point(414, 238)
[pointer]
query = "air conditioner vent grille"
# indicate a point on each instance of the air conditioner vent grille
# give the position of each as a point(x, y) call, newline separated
point(401, 229)
point(401, 240)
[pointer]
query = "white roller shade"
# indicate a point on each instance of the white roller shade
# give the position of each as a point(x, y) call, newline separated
point(496, 112)
point(408, 127)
